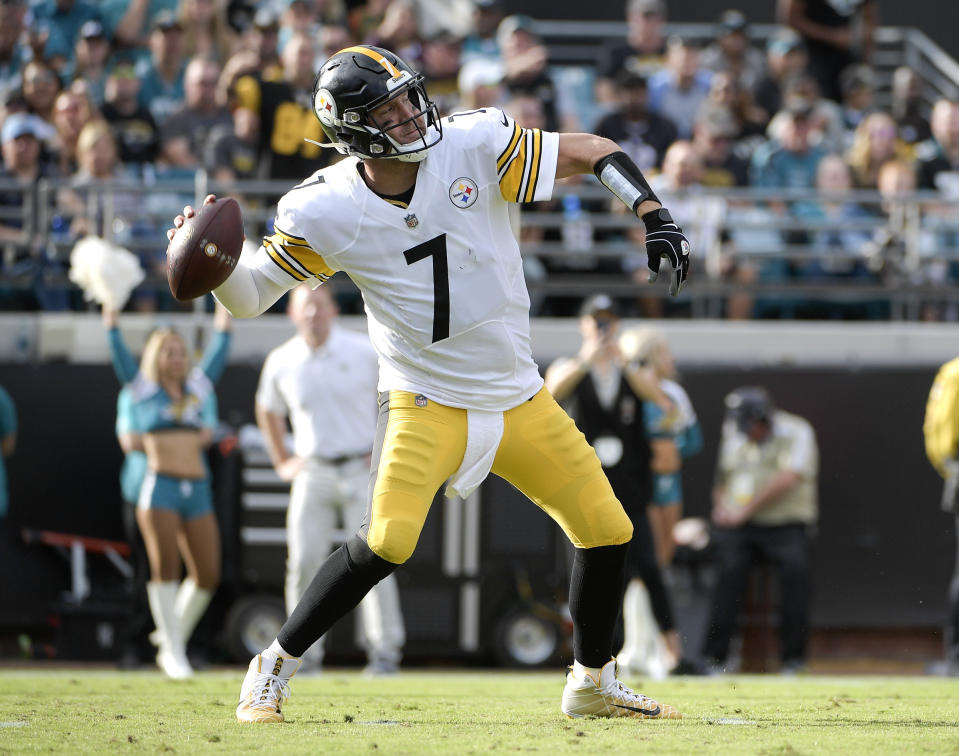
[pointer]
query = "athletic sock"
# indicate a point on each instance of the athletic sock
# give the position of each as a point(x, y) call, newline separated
point(595, 596)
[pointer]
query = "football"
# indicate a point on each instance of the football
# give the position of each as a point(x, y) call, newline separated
point(205, 249)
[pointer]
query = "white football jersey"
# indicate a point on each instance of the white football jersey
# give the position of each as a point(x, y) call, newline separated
point(442, 280)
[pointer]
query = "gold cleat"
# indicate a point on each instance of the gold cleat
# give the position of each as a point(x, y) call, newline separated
point(608, 697)
point(266, 688)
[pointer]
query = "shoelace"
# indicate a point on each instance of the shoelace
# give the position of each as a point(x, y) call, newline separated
point(271, 688)
point(616, 688)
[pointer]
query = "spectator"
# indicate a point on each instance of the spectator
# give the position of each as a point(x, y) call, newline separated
point(764, 506)
point(750, 119)
point(714, 135)
point(939, 155)
point(132, 21)
point(62, 20)
point(607, 398)
point(786, 56)
point(185, 135)
point(324, 380)
point(836, 35)
point(907, 106)
point(8, 442)
point(40, 85)
point(874, 143)
point(71, 112)
point(790, 160)
point(90, 62)
point(206, 31)
point(525, 71)
point(231, 151)
point(942, 444)
point(838, 245)
point(643, 52)
point(481, 42)
point(480, 83)
point(678, 91)
point(161, 76)
point(333, 38)
point(262, 38)
point(826, 127)
point(13, 54)
point(858, 85)
point(441, 67)
point(285, 114)
point(647, 348)
point(399, 30)
point(21, 239)
point(132, 124)
point(733, 54)
point(643, 135)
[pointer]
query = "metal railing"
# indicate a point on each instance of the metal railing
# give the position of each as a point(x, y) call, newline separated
point(904, 252)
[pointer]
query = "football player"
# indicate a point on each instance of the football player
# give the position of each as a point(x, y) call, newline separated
point(417, 216)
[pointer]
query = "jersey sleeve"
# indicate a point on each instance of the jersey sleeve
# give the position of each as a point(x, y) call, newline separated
point(126, 417)
point(525, 158)
point(215, 355)
point(268, 395)
point(210, 412)
point(291, 258)
point(124, 364)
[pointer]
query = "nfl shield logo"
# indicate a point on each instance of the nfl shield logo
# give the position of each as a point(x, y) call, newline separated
point(411, 221)
point(419, 400)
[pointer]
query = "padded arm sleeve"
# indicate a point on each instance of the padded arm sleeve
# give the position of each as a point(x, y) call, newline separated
point(248, 291)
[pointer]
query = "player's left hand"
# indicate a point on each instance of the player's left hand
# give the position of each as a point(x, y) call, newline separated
point(665, 239)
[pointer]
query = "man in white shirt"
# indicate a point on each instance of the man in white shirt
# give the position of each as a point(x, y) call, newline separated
point(417, 215)
point(324, 380)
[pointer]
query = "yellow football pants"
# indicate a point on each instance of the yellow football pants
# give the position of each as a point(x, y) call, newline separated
point(542, 453)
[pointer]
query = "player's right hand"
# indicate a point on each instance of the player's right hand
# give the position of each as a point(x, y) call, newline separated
point(665, 239)
point(188, 212)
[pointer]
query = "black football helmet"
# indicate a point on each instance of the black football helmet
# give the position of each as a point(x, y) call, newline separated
point(356, 81)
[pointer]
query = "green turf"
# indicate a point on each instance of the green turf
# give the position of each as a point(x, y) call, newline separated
point(418, 712)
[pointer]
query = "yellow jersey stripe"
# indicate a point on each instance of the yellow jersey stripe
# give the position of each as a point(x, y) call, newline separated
point(511, 182)
point(390, 68)
point(534, 164)
point(397, 203)
point(283, 264)
point(299, 255)
point(504, 155)
point(285, 235)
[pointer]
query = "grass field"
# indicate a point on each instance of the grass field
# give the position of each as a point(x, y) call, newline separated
point(82, 711)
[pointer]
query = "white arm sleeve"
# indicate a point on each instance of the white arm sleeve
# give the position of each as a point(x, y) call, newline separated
point(248, 291)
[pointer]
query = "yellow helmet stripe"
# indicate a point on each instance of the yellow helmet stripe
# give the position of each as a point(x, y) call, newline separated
point(390, 68)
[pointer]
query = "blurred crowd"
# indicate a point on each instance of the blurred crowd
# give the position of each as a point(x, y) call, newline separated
point(134, 93)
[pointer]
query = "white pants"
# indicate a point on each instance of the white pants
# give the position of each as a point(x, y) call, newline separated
point(325, 498)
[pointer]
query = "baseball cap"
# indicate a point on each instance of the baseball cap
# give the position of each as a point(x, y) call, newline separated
point(785, 41)
point(749, 404)
point(596, 304)
point(488, 5)
point(92, 29)
point(18, 125)
point(647, 8)
point(798, 106)
point(732, 21)
point(165, 20)
point(718, 121)
point(510, 24)
point(266, 18)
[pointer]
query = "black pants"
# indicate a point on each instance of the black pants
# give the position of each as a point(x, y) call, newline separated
point(952, 626)
point(785, 547)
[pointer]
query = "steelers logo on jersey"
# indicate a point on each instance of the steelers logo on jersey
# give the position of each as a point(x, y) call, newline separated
point(463, 192)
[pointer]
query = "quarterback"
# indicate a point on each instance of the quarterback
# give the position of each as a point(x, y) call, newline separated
point(416, 215)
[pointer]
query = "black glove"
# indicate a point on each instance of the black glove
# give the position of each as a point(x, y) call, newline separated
point(665, 239)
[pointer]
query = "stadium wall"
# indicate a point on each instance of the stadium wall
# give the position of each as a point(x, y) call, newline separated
point(884, 551)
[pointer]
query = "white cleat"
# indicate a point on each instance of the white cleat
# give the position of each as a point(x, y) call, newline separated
point(266, 688)
point(174, 665)
point(608, 697)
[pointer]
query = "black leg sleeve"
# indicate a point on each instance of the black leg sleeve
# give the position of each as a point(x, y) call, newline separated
point(339, 585)
point(595, 595)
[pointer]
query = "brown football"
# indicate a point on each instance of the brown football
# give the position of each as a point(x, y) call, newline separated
point(205, 249)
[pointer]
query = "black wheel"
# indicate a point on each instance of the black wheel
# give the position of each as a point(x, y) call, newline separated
point(525, 640)
point(251, 625)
